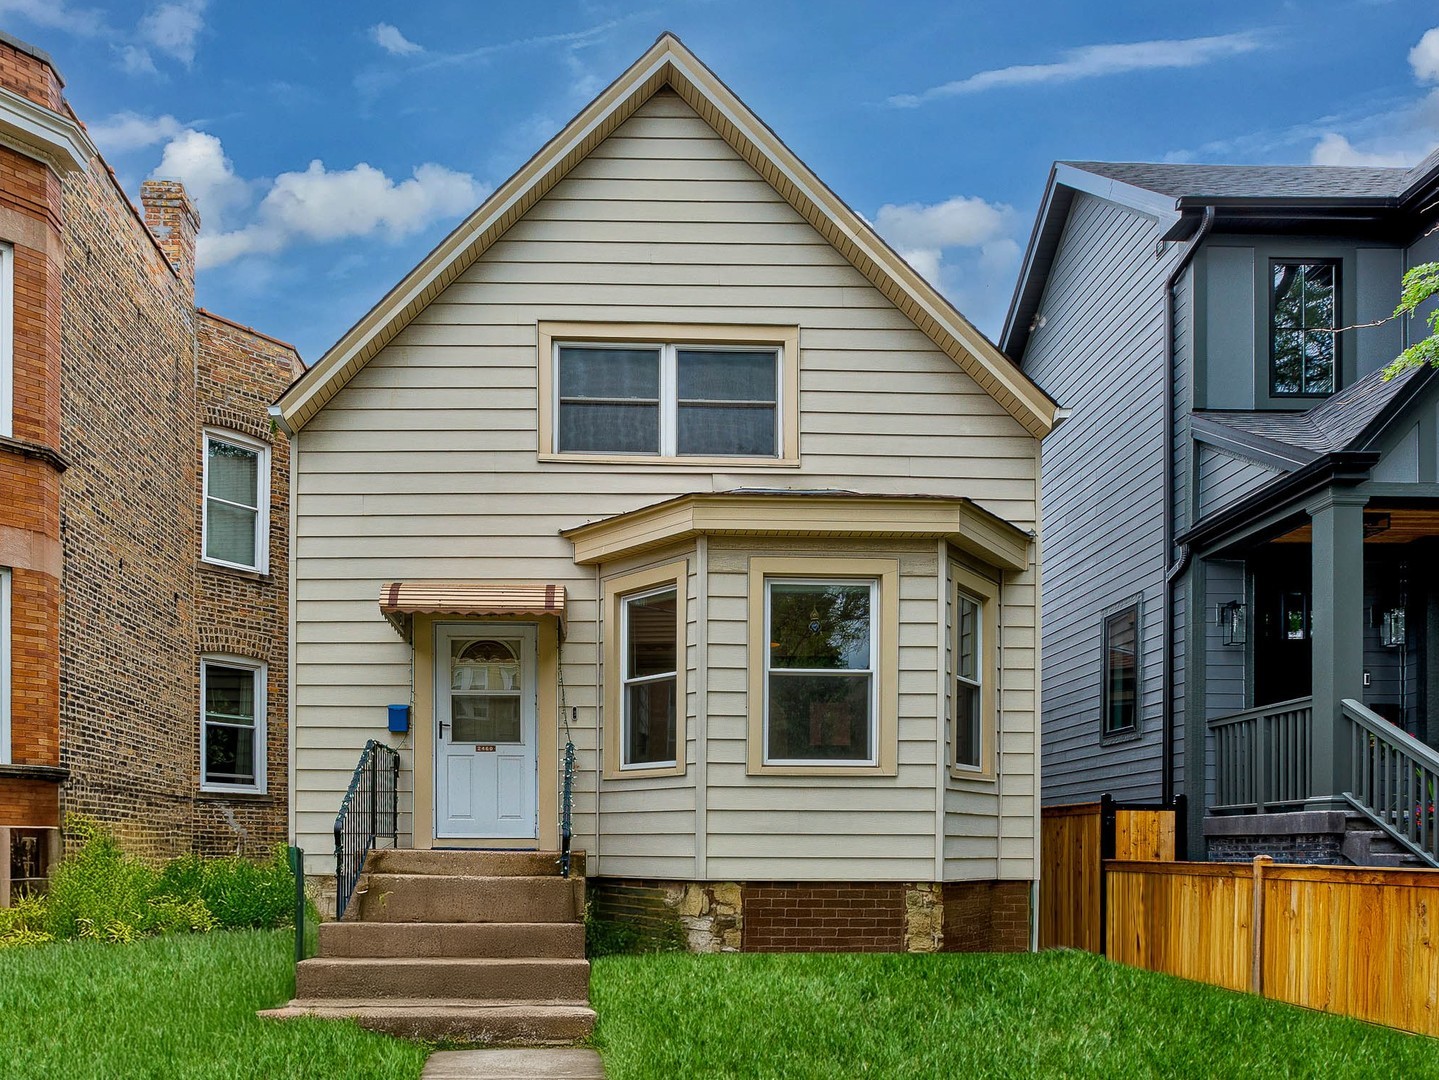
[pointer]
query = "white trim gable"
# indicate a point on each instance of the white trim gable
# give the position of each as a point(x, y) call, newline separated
point(669, 64)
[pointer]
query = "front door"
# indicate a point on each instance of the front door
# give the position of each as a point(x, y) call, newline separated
point(485, 732)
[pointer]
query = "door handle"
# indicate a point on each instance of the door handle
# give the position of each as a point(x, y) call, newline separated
point(443, 726)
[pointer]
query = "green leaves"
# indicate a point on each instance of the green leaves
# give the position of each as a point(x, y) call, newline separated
point(1420, 284)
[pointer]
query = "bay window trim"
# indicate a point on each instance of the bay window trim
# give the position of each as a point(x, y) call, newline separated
point(883, 577)
point(259, 672)
point(670, 337)
point(7, 340)
point(262, 497)
point(617, 590)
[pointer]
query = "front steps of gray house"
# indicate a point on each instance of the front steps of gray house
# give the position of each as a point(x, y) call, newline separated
point(457, 946)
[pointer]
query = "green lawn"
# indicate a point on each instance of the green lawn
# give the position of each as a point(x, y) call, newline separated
point(959, 1015)
point(177, 1007)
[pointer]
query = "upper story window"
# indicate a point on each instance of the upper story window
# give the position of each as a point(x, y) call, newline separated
point(237, 501)
point(7, 341)
point(1303, 347)
point(690, 395)
point(667, 400)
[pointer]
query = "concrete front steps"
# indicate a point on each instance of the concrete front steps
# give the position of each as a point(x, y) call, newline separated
point(461, 946)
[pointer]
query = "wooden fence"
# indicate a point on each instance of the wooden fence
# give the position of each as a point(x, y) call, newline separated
point(1350, 940)
point(1074, 843)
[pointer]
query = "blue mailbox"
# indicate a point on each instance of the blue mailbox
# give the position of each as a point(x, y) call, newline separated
point(399, 719)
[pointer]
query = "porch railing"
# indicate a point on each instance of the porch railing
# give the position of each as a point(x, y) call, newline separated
point(1395, 780)
point(370, 809)
point(1262, 757)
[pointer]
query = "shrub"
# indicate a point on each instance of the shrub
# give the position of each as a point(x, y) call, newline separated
point(23, 923)
point(99, 891)
point(240, 894)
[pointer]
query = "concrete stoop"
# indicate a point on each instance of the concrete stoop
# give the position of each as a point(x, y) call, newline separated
point(471, 947)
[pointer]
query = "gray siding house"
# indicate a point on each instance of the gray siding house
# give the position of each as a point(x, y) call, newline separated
point(1241, 513)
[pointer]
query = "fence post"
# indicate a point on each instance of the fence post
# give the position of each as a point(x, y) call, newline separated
point(1256, 926)
point(1181, 828)
point(1108, 820)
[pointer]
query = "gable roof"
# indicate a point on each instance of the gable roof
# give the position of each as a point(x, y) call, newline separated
point(1175, 194)
point(669, 64)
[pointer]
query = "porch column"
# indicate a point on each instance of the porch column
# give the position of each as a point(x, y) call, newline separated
point(1337, 635)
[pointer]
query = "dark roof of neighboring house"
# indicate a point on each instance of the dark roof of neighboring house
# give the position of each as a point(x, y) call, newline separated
point(1347, 421)
point(1268, 197)
point(1253, 181)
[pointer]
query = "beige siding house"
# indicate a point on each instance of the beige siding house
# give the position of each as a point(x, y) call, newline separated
point(664, 451)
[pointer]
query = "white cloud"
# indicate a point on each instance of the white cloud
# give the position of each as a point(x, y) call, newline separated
point(392, 41)
point(320, 206)
point(1424, 57)
point(962, 246)
point(1334, 149)
point(174, 28)
point(126, 131)
point(1093, 61)
point(197, 159)
point(135, 60)
point(56, 15)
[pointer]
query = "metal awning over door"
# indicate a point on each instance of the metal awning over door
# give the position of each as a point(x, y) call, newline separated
point(400, 601)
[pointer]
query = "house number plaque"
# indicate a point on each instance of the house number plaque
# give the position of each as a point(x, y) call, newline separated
point(484, 748)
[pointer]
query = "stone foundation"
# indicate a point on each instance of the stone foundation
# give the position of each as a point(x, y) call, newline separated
point(920, 917)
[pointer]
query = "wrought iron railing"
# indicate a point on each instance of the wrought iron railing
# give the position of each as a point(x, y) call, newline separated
point(371, 809)
point(567, 801)
point(1263, 757)
point(1395, 780)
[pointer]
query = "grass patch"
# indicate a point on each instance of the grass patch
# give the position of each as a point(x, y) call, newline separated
point(1056, 1014)
point(179, 1007)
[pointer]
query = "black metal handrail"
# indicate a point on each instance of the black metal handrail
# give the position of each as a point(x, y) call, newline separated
point(567, 801)
point(370, 809)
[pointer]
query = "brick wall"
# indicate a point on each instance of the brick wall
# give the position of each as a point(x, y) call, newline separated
point(30, 463)
point(1323, 849)
point(986, 916)
point(825, 917)
point(238, 374)
point(129, 706)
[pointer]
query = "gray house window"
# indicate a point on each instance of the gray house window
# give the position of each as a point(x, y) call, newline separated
point(1120, 704)
point(1303, 311)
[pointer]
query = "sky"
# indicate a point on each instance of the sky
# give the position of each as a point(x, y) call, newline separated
point(329, 146)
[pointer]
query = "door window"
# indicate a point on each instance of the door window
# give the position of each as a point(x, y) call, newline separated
point(485, 689)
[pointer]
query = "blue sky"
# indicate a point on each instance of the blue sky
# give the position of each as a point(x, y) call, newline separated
point(330, 145)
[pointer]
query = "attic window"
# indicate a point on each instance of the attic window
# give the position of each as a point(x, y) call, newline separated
point(1303, 345)
point(685, 394)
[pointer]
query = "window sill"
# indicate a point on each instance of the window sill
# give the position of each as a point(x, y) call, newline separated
point(974, 775)
point(261, 576)
point(1123, 735)
point(674, 462)
point(644, 774)
point(821, 770)
point(221, 791)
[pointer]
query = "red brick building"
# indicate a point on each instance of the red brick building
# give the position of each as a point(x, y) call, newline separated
point(143, 513)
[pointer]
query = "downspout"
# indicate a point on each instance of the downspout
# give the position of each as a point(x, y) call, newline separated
point(1175, 565)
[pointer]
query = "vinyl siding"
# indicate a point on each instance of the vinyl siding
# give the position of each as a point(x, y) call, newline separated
point(425, 466)
point(1099, 351)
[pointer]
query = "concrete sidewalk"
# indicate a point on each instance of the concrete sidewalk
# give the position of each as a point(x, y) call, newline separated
point(563, 1063)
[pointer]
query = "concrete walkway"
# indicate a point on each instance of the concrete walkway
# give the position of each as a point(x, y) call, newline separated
point(563, 1063)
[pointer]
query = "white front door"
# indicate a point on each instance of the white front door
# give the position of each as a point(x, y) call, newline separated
point(486, 785)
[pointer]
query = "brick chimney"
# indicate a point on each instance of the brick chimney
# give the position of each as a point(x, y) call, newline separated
point(171, 217)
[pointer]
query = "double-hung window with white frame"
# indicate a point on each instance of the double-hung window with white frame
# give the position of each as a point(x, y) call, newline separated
point(232, 724)
point(650, 654)
point(820, 672)
point(7, 341)
point(666, 400)
point(237, 501)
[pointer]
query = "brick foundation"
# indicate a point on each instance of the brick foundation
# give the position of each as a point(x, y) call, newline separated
point(988, 916)
point(1315, 837)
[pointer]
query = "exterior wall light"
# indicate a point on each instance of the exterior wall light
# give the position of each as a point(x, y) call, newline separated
point(1233, 623)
